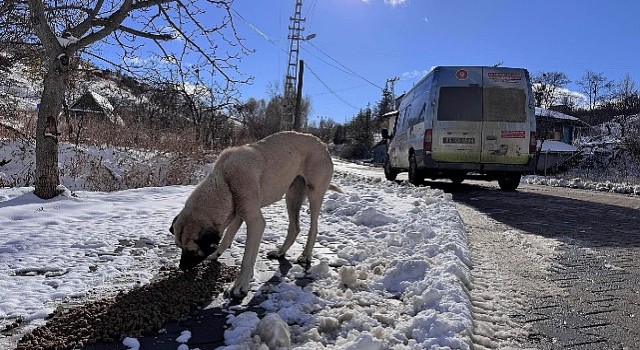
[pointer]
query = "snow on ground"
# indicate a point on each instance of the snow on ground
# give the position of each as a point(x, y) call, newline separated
point(96, 167)
point(391, 267)
point(556, 146)
point(624, 188)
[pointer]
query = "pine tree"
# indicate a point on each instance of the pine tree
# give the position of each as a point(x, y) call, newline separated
point(385, 105)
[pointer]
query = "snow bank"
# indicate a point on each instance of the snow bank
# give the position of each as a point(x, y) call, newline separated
point(390, 268)
point(607, 186)
point(398, 277)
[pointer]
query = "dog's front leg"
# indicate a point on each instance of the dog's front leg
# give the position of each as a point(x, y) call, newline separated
point(229, 234)
point(255, 229)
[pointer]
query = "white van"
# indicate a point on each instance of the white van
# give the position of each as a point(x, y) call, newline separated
point(461, 120)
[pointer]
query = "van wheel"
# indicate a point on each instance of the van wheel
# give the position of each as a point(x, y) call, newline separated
point(389, 172)
point(457, 179)
point(415, 177)
point(509, 182)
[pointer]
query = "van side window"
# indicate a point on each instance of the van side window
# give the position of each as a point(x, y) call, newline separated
point(505, 105)
point(418, 118)
point(406, 117)
point(460, 104)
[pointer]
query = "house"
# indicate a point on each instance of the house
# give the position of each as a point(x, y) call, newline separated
point(556, 132)
point(94, 105)
point(557, 126)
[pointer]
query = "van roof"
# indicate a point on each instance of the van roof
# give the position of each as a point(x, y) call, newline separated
point(500, 76)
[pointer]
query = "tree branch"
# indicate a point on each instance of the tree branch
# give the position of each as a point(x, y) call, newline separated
point(162, 37)
point(113, 22)
point(150, 3)
point(84, 26)
point(194, 44)
point(41, 26)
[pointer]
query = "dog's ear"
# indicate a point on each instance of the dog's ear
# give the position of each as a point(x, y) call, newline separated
point(173, 222)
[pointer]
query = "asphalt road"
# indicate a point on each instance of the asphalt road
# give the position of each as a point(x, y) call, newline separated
point(579, 289)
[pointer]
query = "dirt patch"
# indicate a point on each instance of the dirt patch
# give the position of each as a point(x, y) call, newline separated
point(170, 297)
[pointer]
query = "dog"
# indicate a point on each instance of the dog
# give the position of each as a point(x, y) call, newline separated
point(244, 180)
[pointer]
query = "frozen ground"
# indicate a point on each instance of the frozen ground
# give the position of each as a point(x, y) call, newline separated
point(391, 268)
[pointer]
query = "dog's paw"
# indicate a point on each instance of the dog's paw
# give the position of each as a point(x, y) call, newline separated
point(236, 293)
point(275, 254)
point(304, 260)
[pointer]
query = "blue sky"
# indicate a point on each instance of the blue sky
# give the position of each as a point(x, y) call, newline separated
point(381, 39)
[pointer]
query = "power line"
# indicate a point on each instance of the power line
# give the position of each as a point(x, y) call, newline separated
point(340, 90)
point(312, 8)
point(330, 89)
point(325, 62)
point(347, 68)
point(344, 68)
point(254, 27)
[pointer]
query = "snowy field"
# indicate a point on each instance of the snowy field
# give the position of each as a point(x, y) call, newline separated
point(391, 267)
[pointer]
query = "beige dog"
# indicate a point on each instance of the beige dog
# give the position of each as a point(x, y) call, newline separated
point(245, 179)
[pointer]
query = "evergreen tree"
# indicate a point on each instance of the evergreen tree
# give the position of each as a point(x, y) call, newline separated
point(360, 135)
point(385, 105)
point(340, 136)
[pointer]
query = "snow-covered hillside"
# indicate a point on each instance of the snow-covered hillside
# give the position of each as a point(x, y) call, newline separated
point(21, 89)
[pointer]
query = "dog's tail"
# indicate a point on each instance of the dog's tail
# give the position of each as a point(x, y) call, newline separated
point(335, 188)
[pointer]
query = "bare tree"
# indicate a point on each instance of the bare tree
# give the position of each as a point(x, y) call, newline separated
point(66, 29)
point(546, 87)
point(626, 100)
point(595, 86)
point(570, 99)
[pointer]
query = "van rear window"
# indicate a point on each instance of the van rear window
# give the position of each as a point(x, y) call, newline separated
point(460, 104)
point(505, 105)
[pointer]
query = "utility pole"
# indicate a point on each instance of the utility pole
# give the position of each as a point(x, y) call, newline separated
point(392, 82)
point(297, 120)
point(295, 31)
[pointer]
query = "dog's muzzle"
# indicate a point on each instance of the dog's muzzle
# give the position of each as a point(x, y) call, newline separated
point(208, 243)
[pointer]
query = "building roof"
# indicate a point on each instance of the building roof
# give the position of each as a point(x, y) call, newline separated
point(547, 113)
point(93, 102)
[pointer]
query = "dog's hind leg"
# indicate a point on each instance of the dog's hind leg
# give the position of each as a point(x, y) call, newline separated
point(294, 198)
point(315, 196)
point(229, 235)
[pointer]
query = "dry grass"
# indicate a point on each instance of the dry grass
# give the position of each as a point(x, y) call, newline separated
point(108, 157)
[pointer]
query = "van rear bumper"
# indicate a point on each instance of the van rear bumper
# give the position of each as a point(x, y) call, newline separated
point(426, 163)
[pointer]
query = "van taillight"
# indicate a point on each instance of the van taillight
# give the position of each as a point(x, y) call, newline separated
point(428, 140)
point(533, 143)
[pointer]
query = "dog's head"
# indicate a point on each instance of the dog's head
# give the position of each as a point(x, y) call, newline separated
point(196, 239)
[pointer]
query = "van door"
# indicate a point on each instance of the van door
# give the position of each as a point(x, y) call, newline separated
point(506, 124)
point(399, 145)
point(457, 126)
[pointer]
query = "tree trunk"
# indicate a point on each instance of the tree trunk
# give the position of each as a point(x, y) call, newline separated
point(47, 177)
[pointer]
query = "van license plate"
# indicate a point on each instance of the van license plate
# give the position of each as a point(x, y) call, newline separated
point(459, 140)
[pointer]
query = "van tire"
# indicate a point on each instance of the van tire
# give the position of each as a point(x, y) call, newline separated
point(389, 172)
point(415, 177)
point(457, 179)
point(509, 182)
